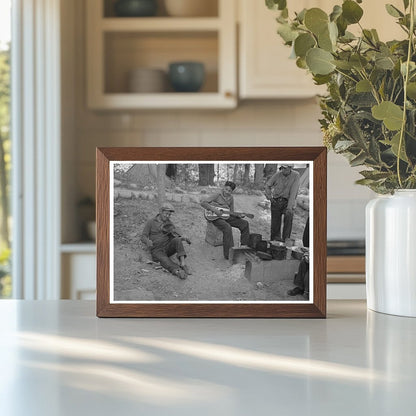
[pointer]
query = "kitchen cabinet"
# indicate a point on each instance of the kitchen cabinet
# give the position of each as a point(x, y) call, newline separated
point(118, 45)
point(265, 70)
point(78, 263)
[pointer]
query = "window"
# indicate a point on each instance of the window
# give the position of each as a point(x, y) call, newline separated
point(5, 147)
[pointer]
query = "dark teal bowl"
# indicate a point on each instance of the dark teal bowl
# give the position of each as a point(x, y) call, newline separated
point(186, 76)
point(135, 8)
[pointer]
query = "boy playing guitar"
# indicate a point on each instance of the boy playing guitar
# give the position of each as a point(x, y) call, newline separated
point(223, 203)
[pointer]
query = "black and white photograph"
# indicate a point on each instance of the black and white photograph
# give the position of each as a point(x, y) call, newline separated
point(211, 232)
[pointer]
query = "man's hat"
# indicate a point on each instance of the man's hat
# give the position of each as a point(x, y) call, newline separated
point(285, 166)
point(166, 206)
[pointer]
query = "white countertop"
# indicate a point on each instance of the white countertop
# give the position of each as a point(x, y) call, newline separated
point(57, 358)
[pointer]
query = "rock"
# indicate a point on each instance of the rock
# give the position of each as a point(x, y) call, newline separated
point(195, 198)
point(264, 204)
point(259, 285)
point(203, 191)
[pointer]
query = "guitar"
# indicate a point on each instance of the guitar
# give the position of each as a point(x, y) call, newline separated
point(225, 214)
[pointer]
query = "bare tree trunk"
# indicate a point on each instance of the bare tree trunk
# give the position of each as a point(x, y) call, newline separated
point(246, 177)
point(258, 174)
point(4, 196)
point(206, 174)
point(161, 194)
point(203, 175)
point(218, 174)
point(171, 171)
point(235, 174)
point(211, 174)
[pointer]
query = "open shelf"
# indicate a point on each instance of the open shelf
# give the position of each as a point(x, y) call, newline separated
point(118, 45)
point(127, 51)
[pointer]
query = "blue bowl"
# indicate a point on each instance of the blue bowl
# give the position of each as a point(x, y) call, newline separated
point(186, 76)
point(135, 8)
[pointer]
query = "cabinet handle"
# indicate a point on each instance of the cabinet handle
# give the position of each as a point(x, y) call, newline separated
point(229, 94)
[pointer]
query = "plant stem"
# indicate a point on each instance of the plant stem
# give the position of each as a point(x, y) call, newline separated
point(405, 81)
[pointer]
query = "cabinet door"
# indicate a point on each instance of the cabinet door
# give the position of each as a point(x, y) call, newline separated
point(266, 71)
point(78, 276)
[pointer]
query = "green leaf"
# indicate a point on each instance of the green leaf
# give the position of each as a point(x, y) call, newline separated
point(363, 86)
point(285, 13)
point(354, 132)
point(303, 43)
point(394, 143)
point(365, 182)
point(316, 20)
point(321, 79)
point(368, 36)
point(287, 33)
point(345, 65)
point(347, 37)
point(301, 63)
point(375, 35)
point(319, 61)
point(351, 11)
point(358, 61)
point(391, 114)
point(412, 67)
point(301, 15)
point(325, 42)
point(333, 32)
point(374, 150)
point(393, 11)
point(276, 4)
point(336, 12)
point(384, 62)
point(343, 145)
point(359, 160)
point(374, 175)
point(411, 90)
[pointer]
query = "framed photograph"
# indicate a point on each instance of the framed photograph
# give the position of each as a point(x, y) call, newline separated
point(211, 232)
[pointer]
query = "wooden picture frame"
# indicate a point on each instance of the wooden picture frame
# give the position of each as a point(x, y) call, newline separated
point(112, 302)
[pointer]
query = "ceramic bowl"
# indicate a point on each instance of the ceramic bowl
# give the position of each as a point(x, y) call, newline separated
point(147, 80)
point(186, 76)
point(135, 8)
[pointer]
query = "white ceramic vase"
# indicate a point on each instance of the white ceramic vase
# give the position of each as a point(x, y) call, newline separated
point(391, 253)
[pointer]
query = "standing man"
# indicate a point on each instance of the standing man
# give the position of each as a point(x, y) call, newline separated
point(301, 279)
point(281, 189)
point(224, 199)
point(163, 243)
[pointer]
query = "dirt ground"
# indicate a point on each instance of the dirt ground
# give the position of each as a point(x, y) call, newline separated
point(213, 278)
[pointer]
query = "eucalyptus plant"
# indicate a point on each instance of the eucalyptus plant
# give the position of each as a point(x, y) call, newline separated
point(369, 111)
